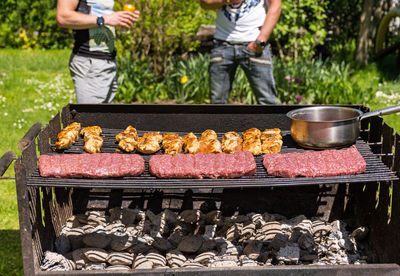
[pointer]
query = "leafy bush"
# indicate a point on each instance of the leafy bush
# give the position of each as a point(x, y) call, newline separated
point(318, 82)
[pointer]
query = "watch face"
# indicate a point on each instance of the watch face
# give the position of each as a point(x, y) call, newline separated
point(100, 21)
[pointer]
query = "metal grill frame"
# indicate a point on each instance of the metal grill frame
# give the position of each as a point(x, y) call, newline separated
point(354, 203)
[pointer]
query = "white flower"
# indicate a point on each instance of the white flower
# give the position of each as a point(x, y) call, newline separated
point(5, 114)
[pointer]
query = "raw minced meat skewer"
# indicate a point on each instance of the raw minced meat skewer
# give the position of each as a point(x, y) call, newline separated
point(68, 136)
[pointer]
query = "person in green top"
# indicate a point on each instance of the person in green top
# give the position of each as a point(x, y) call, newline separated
point(92, 64)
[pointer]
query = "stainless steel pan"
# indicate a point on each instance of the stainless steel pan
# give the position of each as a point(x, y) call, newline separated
point(322, 127)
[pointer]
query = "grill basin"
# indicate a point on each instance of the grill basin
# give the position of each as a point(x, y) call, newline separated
point(347, 198)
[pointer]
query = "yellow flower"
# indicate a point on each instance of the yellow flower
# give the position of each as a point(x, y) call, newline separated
point(184, 79)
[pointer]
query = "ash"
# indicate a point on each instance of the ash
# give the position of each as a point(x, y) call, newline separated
point(126, 239)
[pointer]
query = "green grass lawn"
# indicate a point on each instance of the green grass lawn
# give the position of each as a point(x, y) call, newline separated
point(35, 85)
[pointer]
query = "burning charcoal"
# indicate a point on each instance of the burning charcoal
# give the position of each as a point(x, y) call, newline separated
point(204, 258)
point(190, 244)
point(189, 264)
point(79, 258)
point(74, 221)
point(56, 262)
point(75, 236)
point(245, 261)
point(118, 267)
point(139, 248)
point(290, 254)
point(97, 240)
point(190, 216)
point(115, 228)
point(96, 255)
point(121, 242)
point(88, 228)
point(208, 245)
point(359, 234)
point(95, 266)
point(253, 249)
point(305, 226)
point(270, 229)
point(213, 217)
point(296, 220)
point(129, 216)
point(257, 219)
point(157, 259)
point(82, 219)
point(279, 241)
point(96, 218)
point(307, 257)
point(209, 231)
point(115, 214)
point(62, 244)
point(162, 244)
point(227, 248)
point(175, 238)
point(306, 242)
point(248, 230)
point(131, 230)
point(99, 229)
point(119, 258)
point(170, 217)
point(237, 219)
point(320, 229)
point(154, 219)
point(175, 258)
point(141, 262)
point(223, 263)
point(234, 232)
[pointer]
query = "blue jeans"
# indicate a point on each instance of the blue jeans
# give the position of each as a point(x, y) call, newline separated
point(224, 61)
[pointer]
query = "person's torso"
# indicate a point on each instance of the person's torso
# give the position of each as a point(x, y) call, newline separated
point(95, 42)
point(240, 24)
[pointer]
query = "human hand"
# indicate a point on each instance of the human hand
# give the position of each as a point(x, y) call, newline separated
point(122, 18)
point(255, 48)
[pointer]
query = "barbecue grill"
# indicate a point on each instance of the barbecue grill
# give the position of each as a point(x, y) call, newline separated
point(350, 198)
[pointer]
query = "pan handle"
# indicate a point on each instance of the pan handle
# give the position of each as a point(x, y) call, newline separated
point(383, 111)
point(5, 161)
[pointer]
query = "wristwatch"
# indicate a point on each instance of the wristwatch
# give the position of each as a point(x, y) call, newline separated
point(261, 43)
point(100, 21)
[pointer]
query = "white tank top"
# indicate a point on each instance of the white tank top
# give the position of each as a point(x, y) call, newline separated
point(240, 24)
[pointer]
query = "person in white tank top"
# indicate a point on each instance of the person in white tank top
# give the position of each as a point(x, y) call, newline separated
point(243, 28)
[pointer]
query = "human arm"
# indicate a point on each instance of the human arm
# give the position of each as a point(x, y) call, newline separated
point(274, 11)
point(68, 17)
point(216, 4)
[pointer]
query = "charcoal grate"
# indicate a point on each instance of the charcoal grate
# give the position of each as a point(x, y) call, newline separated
point(375, 171)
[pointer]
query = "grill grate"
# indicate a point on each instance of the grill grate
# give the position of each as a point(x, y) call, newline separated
point(375, 171)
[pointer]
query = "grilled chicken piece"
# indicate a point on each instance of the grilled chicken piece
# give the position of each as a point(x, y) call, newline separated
point(130, 132)
point(94, 144)
point(231, 142)
point(208, 142)
point(251, 133)
point(271, 141)
point(252, 141)
point(190, 143)
point(172, 143)
point(68, 136)
point(93, 141)
point(271, 146)
point(127, 139)
point(253, 145)
point(149, 143)
point(208, 134)
point(271, 135)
